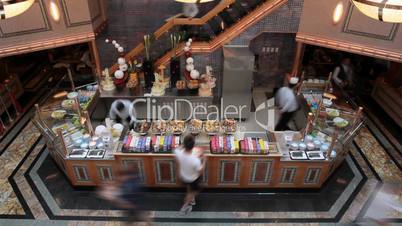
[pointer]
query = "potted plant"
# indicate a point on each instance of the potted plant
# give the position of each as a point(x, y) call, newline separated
point(148, 64)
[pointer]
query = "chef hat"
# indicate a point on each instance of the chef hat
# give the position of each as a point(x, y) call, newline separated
point(293, 80)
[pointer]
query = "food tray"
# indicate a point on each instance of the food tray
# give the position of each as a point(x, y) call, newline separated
point(298, 155)
point(96, 154)
point(78, 153)
point(142, 128)
point(315, 155)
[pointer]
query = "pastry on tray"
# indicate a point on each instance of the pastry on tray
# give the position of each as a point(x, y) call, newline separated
point(229, 125)
point(195, 125)
point(159, 127)
point(142, 127)
point(212, 126)
point(177, 126)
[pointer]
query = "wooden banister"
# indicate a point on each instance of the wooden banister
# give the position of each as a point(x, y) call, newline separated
point(174, 21)
point(229, 34)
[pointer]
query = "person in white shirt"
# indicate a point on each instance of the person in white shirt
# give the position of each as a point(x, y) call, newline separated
point(122, 112)
point(343, 74)
point(285, 99)
point(191, 164)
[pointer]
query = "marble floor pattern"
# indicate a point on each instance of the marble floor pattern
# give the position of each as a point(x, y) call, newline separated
point(24, 195)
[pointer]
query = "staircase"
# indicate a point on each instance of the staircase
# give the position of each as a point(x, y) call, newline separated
point(219, 26)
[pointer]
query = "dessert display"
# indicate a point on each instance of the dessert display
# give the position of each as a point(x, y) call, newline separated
point(159, 127)
point(229, 125)
point(165, 144)
point(161, 83)
point(193, 84)
point(212, 126)
point(139, 144)
point(142, 127)
point(208, 83)
point(107, 82)
point(251, 145)
point(145, 144)
point(177, 126)
point(224, 145)
point(195, 126)
point(132, 80)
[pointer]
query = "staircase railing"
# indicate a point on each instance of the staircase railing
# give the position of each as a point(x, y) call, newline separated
point(229, 34)
point(175, 21)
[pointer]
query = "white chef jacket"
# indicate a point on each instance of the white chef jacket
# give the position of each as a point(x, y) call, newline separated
point(286, 100)
point(127, 112)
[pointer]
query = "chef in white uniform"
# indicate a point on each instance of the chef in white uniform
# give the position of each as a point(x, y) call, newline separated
point(285, 99)
point(122, 111)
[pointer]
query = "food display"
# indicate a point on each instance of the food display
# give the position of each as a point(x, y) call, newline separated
point(159, 127)
point(177, 126)
point(67, 104)
point(195, 126)
point(133, 80)
point(340, 122)
point(229, 125)
point(72, 95)
point(251, 145)
point(96, 154)
point(78, 153)
point(212, 126)
point(58, 114)
point(165, 144)
point(298, 155)
point(193, 84)
point(136, 144)
point(315, 155)
point(224, 145)
point(332, 113)
point(142, 127)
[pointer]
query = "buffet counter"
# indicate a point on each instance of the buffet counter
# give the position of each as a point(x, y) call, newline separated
point(235, 158)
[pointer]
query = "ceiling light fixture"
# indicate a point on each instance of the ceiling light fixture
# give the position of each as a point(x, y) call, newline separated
point(382, 10)
point(54, 10)
point(338, 12)
point(11, 8)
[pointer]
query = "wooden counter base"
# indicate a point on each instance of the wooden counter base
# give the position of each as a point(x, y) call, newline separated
point(230, 171)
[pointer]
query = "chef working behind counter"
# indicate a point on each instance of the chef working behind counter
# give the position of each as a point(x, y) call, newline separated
point(122, 112)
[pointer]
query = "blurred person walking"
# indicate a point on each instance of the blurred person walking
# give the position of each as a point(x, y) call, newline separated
point(190, 164)
point(124, 194)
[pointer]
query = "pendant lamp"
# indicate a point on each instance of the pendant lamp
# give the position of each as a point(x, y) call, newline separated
point(11, 8)
point(382, 10)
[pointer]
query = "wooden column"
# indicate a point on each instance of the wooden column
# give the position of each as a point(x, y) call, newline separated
point(95, 56)
point(298, 58)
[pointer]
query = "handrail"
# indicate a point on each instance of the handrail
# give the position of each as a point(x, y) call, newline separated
point(230, 33)
point(173, 21)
